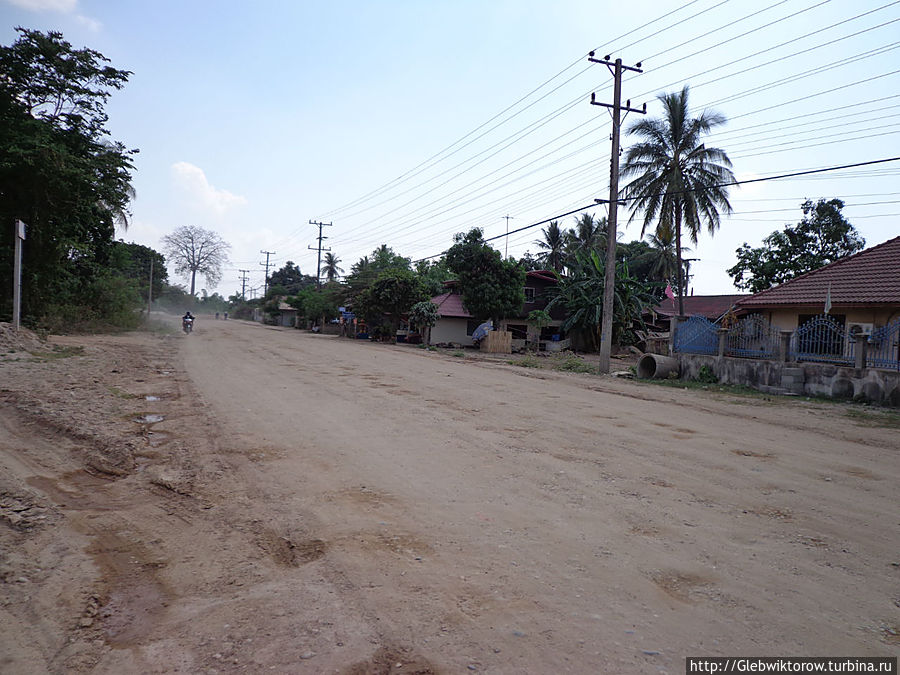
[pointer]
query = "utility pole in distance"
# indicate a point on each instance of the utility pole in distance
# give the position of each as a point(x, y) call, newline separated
point(319, 249)
point(609, 283)
point(506, 248)
point(243, 279)
point(266, 282)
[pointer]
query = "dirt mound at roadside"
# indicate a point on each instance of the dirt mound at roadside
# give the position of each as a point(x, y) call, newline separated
point(22, 341)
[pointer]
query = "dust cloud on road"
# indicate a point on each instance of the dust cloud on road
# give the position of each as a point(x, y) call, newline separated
point(316, 504)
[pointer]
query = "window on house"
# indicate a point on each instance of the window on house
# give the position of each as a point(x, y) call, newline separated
point(471, 325)
point(529, 294)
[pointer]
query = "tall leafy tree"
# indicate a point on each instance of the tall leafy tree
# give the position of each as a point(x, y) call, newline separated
point(133, 261)
point(392, 295)
point(676, 180)
point(553, 247)
point(821, 237)
point(291, 279)
point(491, 287)
point(61, 173)
point(193, 249)
point(433, 274)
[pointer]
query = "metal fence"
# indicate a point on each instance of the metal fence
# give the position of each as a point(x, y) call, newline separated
point(824, 340)
point(821, 339)
point(753, 337)
point(884, 347)
point(697, 335)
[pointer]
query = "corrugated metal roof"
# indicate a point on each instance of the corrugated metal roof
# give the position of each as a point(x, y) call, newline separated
point(870, 277)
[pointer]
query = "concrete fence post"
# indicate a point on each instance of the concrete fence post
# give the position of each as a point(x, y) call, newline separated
point(673, 328)
point(784, 353)
point(862, 348)
point(722, 334)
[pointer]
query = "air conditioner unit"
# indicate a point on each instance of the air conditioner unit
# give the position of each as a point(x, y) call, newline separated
point(855, 329)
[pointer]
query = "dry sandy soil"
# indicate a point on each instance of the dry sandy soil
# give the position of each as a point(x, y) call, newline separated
point(311, 504)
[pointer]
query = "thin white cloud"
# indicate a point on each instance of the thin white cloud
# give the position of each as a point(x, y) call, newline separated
point(64, 6)
point(192, 181)
point(91, 24)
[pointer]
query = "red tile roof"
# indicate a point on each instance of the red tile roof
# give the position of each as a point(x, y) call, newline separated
point(709, 306)
point(450, 305)
point(870, 277)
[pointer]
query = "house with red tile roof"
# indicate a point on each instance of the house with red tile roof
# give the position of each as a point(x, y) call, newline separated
point(456, 325)
point(863, 289)
point(710, 307)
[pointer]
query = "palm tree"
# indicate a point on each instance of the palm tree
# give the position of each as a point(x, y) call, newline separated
point(553, 246)
point(588, 234)
point(331, 269)
point(677, 180)
point(664, 265)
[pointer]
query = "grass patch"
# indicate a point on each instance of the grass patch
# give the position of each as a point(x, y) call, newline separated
point(119, 393)
point(458, 354)
point(527, 362)
point(572, 364)
point(870, 418)
point(58, 352)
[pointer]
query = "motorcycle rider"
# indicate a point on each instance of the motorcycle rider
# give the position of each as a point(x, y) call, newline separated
point(188, 318)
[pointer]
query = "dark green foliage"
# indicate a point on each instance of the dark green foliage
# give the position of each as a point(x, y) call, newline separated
point(391, 295)
point(581, 294)
point(62, 175)
point(133, 262)
point(433, 274)
point(821, 237)
point(364, 272)
point(331, 267)
point(706, 375)
point(424, 315)
point(553, 248)
point(291, 279)
point(491, 288)
point(314, 305)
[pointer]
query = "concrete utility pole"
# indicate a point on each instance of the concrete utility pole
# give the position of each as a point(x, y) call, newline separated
point(506, 248)
point(150, 289)
point(609, 283)
point(266, 282)
point(19, 237)
point(243, 279)
point(320, 249)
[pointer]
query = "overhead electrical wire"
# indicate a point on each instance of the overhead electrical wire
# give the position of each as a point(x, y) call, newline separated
point(479, 193)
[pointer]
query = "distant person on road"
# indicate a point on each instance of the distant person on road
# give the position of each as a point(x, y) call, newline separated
point(226, 317)
point(217, 316)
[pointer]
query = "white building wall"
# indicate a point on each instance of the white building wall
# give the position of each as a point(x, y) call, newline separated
point(449, 329)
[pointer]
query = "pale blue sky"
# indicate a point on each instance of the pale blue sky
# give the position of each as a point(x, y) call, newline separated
point(253, 118)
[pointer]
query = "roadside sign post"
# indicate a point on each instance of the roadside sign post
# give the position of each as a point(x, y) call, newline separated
point(17, 274)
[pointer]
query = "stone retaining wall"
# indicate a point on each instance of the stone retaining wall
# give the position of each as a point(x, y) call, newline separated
point(799, 379)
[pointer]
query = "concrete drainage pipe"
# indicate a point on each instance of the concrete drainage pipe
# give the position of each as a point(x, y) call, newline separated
point(656, 367)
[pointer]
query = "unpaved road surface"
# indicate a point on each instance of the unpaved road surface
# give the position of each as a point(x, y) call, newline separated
point(310, 504)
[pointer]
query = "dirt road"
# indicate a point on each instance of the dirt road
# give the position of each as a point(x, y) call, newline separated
point(310, 504)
